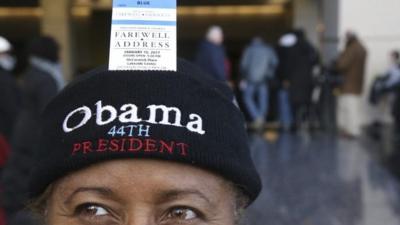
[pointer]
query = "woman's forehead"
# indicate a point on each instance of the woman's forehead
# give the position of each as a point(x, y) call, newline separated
point(143, 175)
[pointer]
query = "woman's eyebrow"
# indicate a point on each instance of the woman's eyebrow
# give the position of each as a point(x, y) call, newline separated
point(96, 190)
point(176, 194)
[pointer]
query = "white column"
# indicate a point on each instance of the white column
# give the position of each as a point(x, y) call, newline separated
point(306, 16)
point(319, 19)
point(56, 22)
point(330, 23)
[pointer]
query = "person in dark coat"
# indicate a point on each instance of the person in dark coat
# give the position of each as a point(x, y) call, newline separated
point(40, 83)
point(9, 105)
point(9, 102)
point(211, 54)
point(9, 96)
point(297, 58)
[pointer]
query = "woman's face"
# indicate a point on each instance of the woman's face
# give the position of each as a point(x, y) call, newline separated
point(141, 192)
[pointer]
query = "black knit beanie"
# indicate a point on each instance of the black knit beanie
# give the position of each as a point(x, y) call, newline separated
point(178, 116)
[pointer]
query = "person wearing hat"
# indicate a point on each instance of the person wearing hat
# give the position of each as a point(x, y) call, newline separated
point(143, 147)
point(9, 93)
point(9, 105)
point(41, 81)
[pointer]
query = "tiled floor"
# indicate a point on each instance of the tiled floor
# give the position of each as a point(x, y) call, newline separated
point(322, 180)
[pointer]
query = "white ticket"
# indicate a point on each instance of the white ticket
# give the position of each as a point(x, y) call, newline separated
point(143, 35)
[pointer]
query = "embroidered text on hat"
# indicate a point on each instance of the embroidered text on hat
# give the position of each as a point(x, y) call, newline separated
point(129, 114)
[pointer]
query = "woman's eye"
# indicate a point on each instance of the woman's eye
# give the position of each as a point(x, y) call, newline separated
point(92, 210)
point(182, 214)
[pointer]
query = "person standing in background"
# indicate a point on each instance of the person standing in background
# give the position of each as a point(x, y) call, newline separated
point(285, 46)
point(394, 83)
point(385, 89)
point(9, 98)
point(351, 65)
point(297, 59)
point(9, 105)
point(40, 83)
point(211, 55)
point(257, 65)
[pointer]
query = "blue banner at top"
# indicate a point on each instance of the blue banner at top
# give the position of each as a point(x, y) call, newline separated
point(169, 4)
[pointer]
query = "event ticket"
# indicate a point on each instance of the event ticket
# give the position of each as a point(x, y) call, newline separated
point(143, 35)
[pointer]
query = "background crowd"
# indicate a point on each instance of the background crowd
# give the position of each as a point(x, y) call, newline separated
point(287, 83)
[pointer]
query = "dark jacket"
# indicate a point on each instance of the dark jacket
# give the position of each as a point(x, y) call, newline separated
point(10, 101)
point(351, 64)
point(38, 88)
point(295, 67)
point(211, 58)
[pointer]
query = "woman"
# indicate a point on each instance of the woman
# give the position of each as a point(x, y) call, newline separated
point(143, 147)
